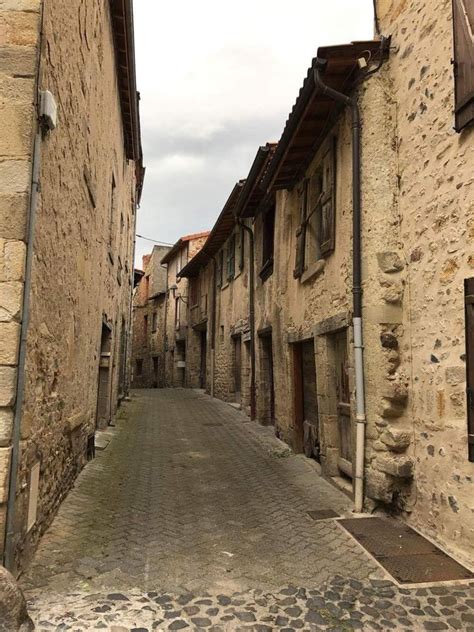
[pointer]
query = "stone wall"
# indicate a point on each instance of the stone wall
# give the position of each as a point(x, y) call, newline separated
point(83, 240)
point(175, 340)
point(148, 341)
point(436, 208)
point(417, 242)
point(19, 45)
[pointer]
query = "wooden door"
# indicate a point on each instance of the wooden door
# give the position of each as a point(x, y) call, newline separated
point(267, 383)
point(104, 382)
point(202, 371)
point(306, 436)
point(155, 372)
point(238, 368)
point(343, 405)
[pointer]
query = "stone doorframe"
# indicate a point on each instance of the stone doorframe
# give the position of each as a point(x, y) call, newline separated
point(326, 387)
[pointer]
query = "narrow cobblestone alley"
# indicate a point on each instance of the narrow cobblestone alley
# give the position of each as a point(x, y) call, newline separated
point(194, 517)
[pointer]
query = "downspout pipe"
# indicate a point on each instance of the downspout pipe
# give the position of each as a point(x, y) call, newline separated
point(9, 554)
point(213, 322)
point(253, 394)
point(361, 419)
point(9, 543)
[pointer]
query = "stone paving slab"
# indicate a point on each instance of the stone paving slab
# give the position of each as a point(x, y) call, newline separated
point(190, 499)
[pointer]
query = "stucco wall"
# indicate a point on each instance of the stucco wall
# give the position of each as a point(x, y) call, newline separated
point(83, 252)
point(436, 206)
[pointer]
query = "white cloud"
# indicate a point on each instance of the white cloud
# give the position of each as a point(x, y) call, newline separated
point(217, 80)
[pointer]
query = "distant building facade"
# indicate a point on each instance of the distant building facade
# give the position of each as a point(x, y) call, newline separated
point(176, 316)
point(287, 346)
point(70, 181)
point(149, 304)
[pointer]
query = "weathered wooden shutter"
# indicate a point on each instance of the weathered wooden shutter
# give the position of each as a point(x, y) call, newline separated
point(463, 26)
point(242, 248)
point(469, 306)
point(301, 232)
point(328, 202)
point(231, 258)
point(219, 274)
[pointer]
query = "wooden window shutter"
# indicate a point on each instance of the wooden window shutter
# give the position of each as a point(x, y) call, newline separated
point(231, 258)
point(328, 203)
point(219, 267)
point(463, 26)
point(242, 248)
point(301, 232)
point(469, 307)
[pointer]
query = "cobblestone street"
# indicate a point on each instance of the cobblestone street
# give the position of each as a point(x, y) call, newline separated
point(193, 517)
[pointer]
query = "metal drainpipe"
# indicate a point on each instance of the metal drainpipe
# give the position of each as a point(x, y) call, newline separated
point(356, 282)
point(213, 321)
point(165, 325)
point(9, 548)
point(253, 399)
point(9, 555)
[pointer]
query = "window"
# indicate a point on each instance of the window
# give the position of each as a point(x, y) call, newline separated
point(145, 325)
point(315, 237)
point(147, 286)
point(183, 258)
point(463, 25)
point(177, 314)
point(268, 240)
point(194, 292)
point(469, 308)
point(241, 248)
point(231, 258)
point(220, 269)
point(154, 322)
point(139, 367)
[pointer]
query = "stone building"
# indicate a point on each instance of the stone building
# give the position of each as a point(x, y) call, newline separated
point(362, 224)
point(149, 302)
point(176, 318)
point(70, 180)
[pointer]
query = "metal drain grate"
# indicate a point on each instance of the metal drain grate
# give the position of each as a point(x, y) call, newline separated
point(322, 514)
point(405, 554)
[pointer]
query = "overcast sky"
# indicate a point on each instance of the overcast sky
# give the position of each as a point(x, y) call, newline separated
point(217, 79)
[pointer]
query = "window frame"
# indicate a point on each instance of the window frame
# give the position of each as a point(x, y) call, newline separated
point(268, 241)
point(230, 259)
point(312, 205)
point(463, 64)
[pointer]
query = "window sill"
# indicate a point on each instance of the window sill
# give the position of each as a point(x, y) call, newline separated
point(267, 270)
point(314, 270)
point(223, 287)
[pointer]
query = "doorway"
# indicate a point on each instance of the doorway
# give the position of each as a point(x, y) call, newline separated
point(103, 387)
point(344, 424)
point(306, 436)
point(237, 369)
point(155, 371)
point(180, 358)
point(267, 384)
point(203, 359)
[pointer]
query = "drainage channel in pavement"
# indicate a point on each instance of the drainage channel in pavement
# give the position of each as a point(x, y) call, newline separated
point(405, 554)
